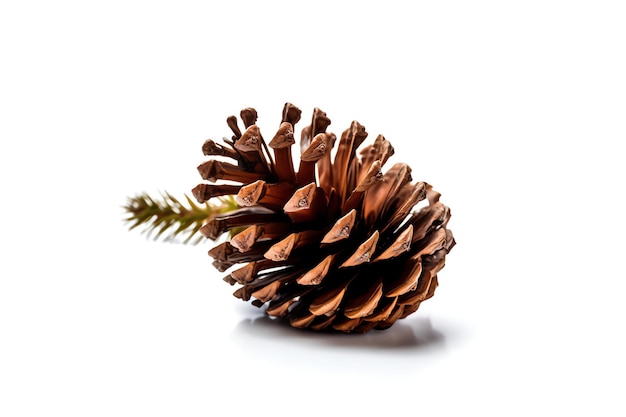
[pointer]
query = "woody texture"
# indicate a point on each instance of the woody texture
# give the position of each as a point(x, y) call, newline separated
point(328, 241)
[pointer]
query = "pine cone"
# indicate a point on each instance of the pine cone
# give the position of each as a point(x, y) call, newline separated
point(335, 244)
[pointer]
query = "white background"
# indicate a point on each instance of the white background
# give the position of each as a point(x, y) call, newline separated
point(514, 111)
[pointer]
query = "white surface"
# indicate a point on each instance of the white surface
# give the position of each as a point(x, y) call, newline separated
point(514, 112)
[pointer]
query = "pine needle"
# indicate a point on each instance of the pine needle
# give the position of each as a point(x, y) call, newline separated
point(169, 219)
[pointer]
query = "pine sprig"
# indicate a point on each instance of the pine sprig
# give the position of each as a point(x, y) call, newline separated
point(168, 218)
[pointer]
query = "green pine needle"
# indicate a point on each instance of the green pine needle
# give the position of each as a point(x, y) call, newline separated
point(167, 218)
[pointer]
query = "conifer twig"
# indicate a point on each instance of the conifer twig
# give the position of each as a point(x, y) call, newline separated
point(168, 218)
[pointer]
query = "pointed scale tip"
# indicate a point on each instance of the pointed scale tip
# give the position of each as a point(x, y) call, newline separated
point(284, 137)
point(363, 253)
point(301, 199)
point(317, 148)
point(341, 229)
point(291, 113)
point(250, 194)
point(400, 245)
point(374, 175)
point(250, 141)
point(317, 273)
point(244, 240)
point(248, 116)
point(281, 250)
point(328, 301)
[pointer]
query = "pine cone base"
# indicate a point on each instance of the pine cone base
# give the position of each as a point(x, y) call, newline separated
point(334, 245)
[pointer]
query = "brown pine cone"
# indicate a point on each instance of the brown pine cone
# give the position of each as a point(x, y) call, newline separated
point(335, 244)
